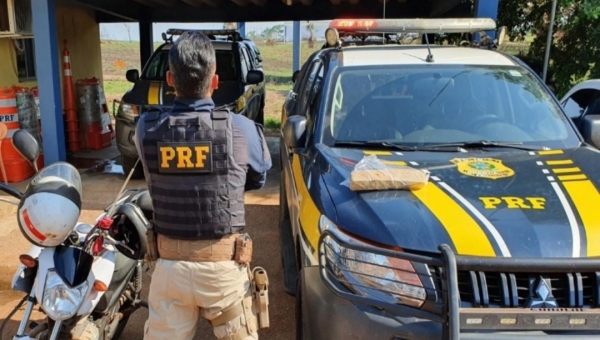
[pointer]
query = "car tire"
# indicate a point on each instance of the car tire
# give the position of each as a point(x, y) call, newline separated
point(260, 117)
point(128, 163)
point(284, 211)
point(301, 333)
point(287, 244)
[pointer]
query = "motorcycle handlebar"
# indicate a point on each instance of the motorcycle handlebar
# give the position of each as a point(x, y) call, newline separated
point(11, 191)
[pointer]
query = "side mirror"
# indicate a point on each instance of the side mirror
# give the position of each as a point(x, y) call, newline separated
point(294, 133)
point(255, 77)
point(590, 129)
point(27, 146)
point(295, 76)
point(132, 76)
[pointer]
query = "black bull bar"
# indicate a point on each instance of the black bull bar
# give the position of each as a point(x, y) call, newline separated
point(442, 303)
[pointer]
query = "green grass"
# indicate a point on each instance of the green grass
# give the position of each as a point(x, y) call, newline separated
point(273, 123)
point(279, 86)
point(116, 86)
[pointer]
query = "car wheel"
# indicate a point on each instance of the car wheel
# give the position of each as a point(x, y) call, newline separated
point(260, 117)
point(284, 211)
point(128, 163)
point(287, 244)
point(301, 333)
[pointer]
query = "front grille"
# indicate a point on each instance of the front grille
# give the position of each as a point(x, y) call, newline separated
point(512, 290)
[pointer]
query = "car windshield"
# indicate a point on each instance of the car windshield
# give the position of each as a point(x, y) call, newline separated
point(227, 69)
point(433, 104)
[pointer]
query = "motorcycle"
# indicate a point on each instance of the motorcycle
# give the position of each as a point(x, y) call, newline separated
point(90, 283)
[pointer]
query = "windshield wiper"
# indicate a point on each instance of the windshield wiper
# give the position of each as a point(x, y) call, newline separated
point(402, 147)
point(490, 144)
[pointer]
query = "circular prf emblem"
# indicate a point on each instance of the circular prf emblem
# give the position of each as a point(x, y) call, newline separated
point(483, 167)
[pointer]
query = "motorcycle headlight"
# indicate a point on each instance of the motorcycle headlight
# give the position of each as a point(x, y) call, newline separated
point(375, 276)
point(61, 302)
point(128, 111)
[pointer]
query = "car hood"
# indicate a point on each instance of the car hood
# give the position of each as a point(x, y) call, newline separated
point(505, 204)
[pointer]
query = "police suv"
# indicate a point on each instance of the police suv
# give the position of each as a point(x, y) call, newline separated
point(503, 239)
point(241, 83)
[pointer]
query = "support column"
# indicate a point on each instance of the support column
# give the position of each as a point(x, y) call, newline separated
point(48, 79)
point(487, 9)
point(242, 29)
point(146, 40)
point(296, 49)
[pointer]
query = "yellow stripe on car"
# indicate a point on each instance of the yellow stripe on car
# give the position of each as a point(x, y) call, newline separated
point(153, 93)
point(550, 152)
point(464, 231)
point(560, 162)
point(378, 153)
point(566, 170)
point(586, 199)
point(309, 213)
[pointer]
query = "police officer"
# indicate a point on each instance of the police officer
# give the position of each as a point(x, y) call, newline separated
point(198, 162)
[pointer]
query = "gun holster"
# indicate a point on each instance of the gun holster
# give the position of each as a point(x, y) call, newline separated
point(152, 254)
point(260, 293)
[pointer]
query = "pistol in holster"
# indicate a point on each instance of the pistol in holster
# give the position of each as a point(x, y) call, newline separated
point(152, 254)
point(260, 292)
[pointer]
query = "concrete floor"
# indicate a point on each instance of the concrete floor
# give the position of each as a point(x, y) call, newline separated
point(100, 186)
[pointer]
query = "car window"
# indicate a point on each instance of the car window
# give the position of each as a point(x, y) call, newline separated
point(308, 90)
point(300, 79)
point(417, 105)
point(158, 65)
point(572, 108)
point(243, 64)
point(250, 61)
point(314, 99)
point(580, 101)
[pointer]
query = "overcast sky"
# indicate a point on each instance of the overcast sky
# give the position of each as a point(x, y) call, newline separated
point(119, 31)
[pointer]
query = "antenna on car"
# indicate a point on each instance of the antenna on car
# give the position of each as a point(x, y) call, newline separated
point(429, 58)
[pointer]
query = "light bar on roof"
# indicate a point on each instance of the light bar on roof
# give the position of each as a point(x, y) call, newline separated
point(180, 31)
point(458, 25)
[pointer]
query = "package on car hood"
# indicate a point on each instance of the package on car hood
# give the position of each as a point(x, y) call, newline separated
point(373, 174)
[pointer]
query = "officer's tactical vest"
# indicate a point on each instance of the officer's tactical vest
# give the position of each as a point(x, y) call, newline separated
point(196, 186)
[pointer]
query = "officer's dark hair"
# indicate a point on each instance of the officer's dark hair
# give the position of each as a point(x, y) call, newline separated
point(192, 62)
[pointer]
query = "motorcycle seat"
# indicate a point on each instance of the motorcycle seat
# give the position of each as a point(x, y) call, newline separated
point(144, 201)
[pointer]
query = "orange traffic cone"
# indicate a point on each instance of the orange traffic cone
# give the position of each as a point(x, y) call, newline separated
point(70, 107)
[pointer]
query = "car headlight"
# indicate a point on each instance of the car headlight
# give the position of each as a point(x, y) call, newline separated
point(61, 302)
point(128, 111)
point(375, 276)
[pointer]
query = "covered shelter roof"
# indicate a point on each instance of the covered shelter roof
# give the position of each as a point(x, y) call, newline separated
point(269, 10)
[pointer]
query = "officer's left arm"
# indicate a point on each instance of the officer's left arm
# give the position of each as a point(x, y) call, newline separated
point(259, 159)
point(255, 155)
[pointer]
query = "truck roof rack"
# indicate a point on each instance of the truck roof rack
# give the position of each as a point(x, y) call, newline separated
point(211, 33)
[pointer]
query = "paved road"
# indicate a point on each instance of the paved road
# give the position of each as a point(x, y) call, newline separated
point(100, 189)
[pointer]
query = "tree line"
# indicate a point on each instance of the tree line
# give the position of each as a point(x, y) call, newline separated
point(575, 50)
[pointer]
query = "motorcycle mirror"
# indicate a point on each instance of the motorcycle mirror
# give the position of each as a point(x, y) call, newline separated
point(27, 146)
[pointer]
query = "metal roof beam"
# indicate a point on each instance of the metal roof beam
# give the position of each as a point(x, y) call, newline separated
point(258, 2)
point(241, 3)
point(279, 10)
point(154, 3)
point(125, 11)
